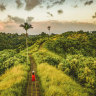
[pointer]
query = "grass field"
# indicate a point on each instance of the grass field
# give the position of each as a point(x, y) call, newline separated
point(56, 83)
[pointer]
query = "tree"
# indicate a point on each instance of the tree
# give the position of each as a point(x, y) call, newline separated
point(26, 26)
point(49, 27)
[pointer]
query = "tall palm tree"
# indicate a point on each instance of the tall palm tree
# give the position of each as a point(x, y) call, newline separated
point(26, 26)
point(49, 27)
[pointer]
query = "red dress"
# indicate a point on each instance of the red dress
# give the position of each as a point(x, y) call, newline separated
point(33, 77)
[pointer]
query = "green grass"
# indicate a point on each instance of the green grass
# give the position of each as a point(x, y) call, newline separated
point(13, 79)
point(55, 83)
point(43, 55)
point(73, 65)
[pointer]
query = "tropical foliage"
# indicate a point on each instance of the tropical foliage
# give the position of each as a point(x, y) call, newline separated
point(73, 43)
point(66, 63)
point(15, 41)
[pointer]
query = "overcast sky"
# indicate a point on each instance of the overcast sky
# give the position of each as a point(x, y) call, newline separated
point(62, 15)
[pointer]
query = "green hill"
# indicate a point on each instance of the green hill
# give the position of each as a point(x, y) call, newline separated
point(66, 64)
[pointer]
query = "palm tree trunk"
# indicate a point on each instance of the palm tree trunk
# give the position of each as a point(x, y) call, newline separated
point(49, 34)
point(26, 47)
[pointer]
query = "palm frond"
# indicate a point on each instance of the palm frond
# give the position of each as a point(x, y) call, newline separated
point(26, 26)
point(49, 27)
point(30, 26)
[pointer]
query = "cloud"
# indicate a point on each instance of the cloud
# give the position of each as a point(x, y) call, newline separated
point(52, 3)
point(94, 16)
point(49, 6)
point(60, 27)
point(30, 4)
point(50, 14)
point(1, 26)
point(60, 2)
point(16, 19)
point(60, 11)
point(88, 2)
point(19, 3)
point(19, 20)
point(7, 25)
point(2, 7)
point(75, 6)
point(29, 19)
point(39, 27)
point(10, 27)
point(41, 6)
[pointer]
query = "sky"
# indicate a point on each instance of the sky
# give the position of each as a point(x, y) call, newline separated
point(61, 15)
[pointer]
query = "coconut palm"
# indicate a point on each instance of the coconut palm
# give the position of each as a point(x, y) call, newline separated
point(26, 26)
point(49, 27)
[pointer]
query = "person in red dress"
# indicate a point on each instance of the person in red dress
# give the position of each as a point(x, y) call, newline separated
point(33, 76)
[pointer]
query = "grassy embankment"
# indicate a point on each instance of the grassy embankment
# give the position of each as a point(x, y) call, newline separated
point(53, 81)
point(14, 78)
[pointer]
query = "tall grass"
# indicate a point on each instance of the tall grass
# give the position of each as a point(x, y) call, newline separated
point(55, 83)
point(43, 55)
point(13, 79)
point(73, 65)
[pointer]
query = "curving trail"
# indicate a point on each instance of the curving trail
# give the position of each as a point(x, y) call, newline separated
point(32, 87)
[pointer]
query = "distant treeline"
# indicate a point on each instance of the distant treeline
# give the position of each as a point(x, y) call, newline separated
point(18, 42)
point(68, 42)
point(74, 43)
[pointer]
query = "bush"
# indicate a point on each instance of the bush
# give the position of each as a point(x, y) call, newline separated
point(81, 68)
point(8, 63)
point(52, 61)
point(44, 55)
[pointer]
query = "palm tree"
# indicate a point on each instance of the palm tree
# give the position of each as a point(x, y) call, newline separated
point(49, 27)
point(26, 26)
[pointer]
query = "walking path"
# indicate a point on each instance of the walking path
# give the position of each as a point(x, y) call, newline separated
point(33, 86)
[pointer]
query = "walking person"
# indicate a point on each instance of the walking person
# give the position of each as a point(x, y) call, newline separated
point(33, 76)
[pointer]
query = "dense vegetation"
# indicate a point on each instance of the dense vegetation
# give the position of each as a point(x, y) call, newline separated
point(66, 63)
point(4, 58)
point(68, 66)
point(13, 67)
point(78, 50)
point(13, 73)
point(74, 54)
point(73, 43)
point(17, 42)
